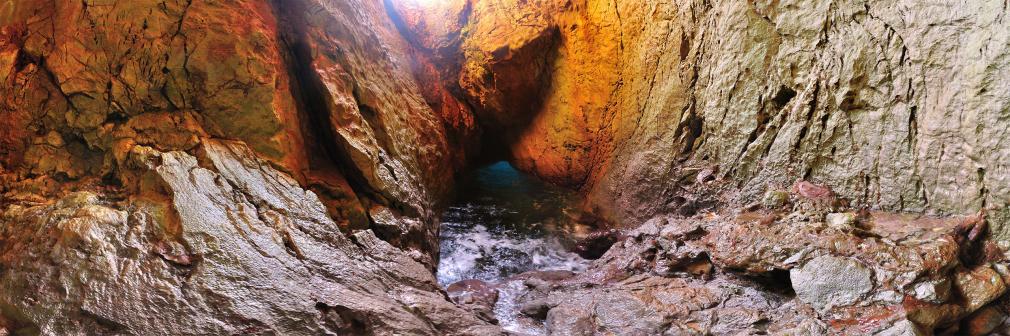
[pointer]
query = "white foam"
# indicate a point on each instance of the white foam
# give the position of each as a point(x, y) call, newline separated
point(463, 253)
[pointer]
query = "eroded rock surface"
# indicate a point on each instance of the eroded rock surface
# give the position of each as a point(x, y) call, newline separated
point(893, 102)
point(238, 248)
point(778, 271)
point(257, 166)
point(207, 167)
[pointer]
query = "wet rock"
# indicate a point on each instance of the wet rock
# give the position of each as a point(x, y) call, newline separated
point(536, 309)
point(828, 281)
point(595, 244)
point(476, 296)
point(548, 276)
point(979, 286)
point(472, 292)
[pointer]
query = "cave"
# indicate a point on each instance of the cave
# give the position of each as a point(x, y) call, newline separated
point(479, 167)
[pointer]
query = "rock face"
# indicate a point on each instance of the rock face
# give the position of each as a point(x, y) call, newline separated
point(324, 90)
point(238, 248)
point(206, 167)
point(893, 103)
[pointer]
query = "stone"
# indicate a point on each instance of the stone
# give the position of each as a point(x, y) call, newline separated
point(666, 78)
point(979, 286)
point(930, 315)
point(983, 322)
point(902, 328)
point(349, 119)
point(774, 199)
point(828, 281)
point(935, 291)
point(361, 144)
point(841, 221)
point(473, 292)
point(536, 309)
point(596, 243)
point(810, 191)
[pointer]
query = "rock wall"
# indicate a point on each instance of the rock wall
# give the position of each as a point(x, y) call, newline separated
point(219, 243)
point(209, 167)
point(324, 90)
point(894, 104)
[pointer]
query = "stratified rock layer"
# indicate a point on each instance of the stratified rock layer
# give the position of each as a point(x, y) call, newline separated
point(205, 167)
point(238, 248)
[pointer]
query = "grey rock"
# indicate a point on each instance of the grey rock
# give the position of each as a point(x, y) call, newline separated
point(538, 284)
point(238, 248)
point(902, 328)
point(605, 312)
point(828, 281)
point(935, 290)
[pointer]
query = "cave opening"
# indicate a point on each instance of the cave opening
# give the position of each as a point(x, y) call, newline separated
point(502, 224)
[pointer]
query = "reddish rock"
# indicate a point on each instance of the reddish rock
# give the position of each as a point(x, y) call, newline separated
point(983, 322)
point(979, 286)
point(473, 292)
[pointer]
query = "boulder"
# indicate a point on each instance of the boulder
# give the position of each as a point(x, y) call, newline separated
point(979, 286)
point(983, 322)
point(829, 281)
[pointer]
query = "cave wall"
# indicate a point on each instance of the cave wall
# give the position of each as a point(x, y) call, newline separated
point(220, 167)
point(324, 90)
point(896, 105)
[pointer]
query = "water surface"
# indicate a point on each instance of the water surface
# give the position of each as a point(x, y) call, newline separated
point(503, 223)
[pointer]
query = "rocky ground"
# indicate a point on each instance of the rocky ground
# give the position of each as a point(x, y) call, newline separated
point(237, 247)
point(798, 263)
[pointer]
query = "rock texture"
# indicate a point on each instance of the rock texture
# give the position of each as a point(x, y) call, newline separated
point(324, 90)
point(208, 167)
point(238, 248)
point(779, 272)
point(896, 104)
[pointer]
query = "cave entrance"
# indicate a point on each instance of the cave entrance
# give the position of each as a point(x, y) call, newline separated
point(502, 224)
